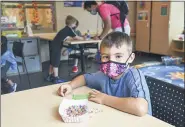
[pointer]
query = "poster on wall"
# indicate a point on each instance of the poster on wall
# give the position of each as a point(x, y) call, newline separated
point(73, 3)
point(164, 10)
point(142, 16)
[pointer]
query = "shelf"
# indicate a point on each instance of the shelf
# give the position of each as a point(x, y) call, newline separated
point(178, 50)
point(11, 29)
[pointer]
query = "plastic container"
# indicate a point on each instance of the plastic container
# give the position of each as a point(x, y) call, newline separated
point(66, 103)
point(168, 60)
point(88, 36)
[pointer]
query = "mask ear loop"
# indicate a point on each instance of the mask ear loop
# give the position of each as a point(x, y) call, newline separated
point(128, 58)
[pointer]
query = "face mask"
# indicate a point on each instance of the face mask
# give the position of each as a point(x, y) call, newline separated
point(93, 12)
point(73, 26)
point(113, 69)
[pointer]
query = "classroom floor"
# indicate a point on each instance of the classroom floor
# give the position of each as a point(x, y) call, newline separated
point(38, 79)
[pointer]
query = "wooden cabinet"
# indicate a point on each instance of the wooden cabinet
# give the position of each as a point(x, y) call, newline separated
point(157, 23)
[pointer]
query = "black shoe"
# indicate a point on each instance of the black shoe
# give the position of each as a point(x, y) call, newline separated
point(50, 78)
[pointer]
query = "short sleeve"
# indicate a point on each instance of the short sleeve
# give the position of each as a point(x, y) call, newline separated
point(104, 12)
point(138, 85)
point(93, 80)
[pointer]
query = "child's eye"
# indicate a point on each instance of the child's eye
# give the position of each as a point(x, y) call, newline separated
point(118, 57)
point(105, 57)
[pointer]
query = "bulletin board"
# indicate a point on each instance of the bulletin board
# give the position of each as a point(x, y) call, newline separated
point(142, 16)
point(73, 3)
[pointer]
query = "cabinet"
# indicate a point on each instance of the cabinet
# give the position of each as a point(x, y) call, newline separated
point(157, 23)
point(31, 55)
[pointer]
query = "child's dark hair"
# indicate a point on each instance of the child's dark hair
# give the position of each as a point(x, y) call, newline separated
point(88, 4)
point(117, 39)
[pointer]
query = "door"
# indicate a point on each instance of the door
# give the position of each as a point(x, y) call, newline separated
point(143, 26)
point(160, 28)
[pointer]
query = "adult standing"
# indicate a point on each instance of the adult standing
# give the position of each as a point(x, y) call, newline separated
point(110, 15)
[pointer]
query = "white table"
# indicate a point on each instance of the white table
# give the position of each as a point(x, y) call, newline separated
point(39, 108)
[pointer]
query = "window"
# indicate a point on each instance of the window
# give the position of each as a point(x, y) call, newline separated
point(40, 15)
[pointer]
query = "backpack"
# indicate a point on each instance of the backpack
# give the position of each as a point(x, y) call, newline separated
point(124, 10)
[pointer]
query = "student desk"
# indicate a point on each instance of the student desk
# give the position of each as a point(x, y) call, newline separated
point(39, 108)
point(81, 48)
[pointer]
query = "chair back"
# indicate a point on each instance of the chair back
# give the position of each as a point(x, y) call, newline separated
point(18, 49)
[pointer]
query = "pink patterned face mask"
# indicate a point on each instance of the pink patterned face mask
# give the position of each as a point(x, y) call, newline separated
point(113, 69)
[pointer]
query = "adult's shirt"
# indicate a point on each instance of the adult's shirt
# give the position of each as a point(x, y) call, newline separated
point(106, 10)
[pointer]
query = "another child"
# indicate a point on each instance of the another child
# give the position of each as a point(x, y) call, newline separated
point(7, 61)
point(68, 50)
point(120, 86)
point(56, 46)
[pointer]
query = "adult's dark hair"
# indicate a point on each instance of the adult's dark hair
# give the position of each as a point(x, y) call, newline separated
point(88, 4)
point(117, 39)
point(3, 44)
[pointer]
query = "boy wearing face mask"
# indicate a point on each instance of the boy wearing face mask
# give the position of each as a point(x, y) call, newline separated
point(56, 45)
point(110, 16)
point(68, 50)
point(120, 86)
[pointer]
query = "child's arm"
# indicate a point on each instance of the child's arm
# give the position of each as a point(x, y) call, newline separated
point(79, 38)
point(77, 82)
point(67, 88)
point(135, 106)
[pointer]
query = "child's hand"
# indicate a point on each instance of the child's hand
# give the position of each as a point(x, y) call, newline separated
point(64, 90)
point(97, 96)
point(96, 38)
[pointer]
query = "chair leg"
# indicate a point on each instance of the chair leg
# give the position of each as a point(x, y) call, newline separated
point(19, 74)
point(27, 73)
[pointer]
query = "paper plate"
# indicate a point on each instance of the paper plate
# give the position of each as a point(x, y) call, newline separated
point(65, 104)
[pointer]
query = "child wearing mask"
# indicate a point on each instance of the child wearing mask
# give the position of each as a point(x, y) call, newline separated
point(68, 50)
point(56, 45)
point(117, 84)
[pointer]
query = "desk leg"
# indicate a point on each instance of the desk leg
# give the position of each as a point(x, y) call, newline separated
point(82, 58)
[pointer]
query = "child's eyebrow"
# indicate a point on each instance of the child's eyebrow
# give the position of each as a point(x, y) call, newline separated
point(119, 54)
point(104, 54)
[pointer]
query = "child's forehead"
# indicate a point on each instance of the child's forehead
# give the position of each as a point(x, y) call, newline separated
point(123, 49)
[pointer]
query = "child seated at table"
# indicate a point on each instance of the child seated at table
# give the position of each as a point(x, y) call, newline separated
point(68, 50)
point(120, 86)
point(56, 45)
point(7, 61)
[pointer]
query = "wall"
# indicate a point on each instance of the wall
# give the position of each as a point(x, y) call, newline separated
point(88, 21)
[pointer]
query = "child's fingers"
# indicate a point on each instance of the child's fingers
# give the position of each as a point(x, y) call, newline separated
point(92, 93)
point(95, 91)
point(92, 96)
point(60, 91)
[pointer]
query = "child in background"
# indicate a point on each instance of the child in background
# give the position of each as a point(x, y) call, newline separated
point(56, 45)
point(68, 50)
point(7, 61)
point(120, 86)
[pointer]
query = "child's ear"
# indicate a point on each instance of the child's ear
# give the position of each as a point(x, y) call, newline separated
point(132, 57)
